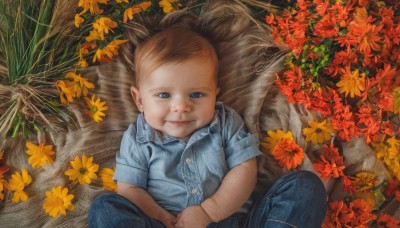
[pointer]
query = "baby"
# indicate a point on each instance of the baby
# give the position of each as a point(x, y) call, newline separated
point(188, 160)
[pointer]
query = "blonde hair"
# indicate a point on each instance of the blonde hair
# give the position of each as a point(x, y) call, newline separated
point(173, 45)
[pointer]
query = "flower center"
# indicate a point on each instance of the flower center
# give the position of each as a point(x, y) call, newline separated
point(94, 109)
point(318, 130)
point(59, 202)
point(82, 170)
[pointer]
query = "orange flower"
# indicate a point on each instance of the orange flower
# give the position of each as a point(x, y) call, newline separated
point(65, 90)
point(331, 164)
point(396, 95)
point(348, 185)
point(106, 54)
point(352, 82)
point(326, 27)
point(78, 20)
point(93, 36)
point(362, 213)
point(103, 25)
point(344, 123)
point(337, 215)
point(387, 221)
point(84, 49)
point(91, 5)
point(357, 214)
point(288, 153)
point(129, 12)
point(371, 38)
point(392, 188)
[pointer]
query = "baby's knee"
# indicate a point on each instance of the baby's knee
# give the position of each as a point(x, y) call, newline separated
point(309, 185)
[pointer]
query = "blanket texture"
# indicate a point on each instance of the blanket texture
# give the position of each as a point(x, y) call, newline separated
point(248, 62)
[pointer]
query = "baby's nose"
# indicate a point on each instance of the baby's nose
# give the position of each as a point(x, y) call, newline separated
point(181, 105)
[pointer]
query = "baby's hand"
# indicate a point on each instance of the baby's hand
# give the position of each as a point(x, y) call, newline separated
point(193, 217)
point(168, 220)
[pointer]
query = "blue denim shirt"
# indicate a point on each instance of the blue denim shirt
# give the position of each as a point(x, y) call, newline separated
point(178, 174)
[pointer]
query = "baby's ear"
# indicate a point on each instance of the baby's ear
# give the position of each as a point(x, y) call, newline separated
point(137, 98)
point(218, 90)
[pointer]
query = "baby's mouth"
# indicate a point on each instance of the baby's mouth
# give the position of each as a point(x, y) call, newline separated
point(179, 123)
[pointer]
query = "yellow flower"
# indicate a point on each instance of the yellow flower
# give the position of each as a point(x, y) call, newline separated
point(3, 184)
point(39, 155)
point(318, 132)
point(96, 108)
point(394, 167)
point(91, 5)
point(106, 176)
point(364, 181)
point(78, 20)
point(274, 137)
point(129, 12)
point(17, 183)
point(168, 5)
point(396, 95)
point(104, 25)
point(106, 54)
point(384, 152)
point(82, 63)
point(66, 93)
point(58, 201)
point(120, 1)
point(84, 50)
point(351, 82)
point(80, 85)
point(82, 170)
point(93, 36)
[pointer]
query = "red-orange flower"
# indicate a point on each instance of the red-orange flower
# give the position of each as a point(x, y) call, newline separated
point(331, 164)
point(362, 213)
point(288, 153)
point(388, 221)
point(338, 214)
point(326, 27)
point(393, 189)
point(357, 214)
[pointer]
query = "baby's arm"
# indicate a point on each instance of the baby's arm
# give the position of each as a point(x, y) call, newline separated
point(146, 203)
point(235, 189)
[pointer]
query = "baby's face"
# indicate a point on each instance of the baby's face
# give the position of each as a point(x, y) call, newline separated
point(178, 98)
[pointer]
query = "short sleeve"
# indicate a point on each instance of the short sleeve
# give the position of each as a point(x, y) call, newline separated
point(240, 145)
point(131, 163)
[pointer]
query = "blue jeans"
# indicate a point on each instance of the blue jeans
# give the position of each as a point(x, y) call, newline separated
point(297, 199)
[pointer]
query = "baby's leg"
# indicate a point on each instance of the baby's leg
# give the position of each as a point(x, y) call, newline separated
point(297, 199)
point(113, 210)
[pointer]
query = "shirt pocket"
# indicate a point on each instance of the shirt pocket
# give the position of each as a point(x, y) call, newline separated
point(214, 158)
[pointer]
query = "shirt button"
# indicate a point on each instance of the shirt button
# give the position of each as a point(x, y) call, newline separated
point(188, 161)
point(194, 191)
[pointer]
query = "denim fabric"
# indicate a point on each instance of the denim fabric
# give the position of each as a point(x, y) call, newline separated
point(178, 174)
point(297, 199)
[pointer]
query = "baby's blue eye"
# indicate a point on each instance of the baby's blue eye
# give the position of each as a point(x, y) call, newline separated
point(164, 95)
point(196, 95)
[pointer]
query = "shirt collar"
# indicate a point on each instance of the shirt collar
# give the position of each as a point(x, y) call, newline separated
point(145, 133)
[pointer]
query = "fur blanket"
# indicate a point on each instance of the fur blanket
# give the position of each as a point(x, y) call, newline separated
point(248, 62)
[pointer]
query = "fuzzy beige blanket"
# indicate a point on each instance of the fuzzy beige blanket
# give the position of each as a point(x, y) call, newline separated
point(248, 62)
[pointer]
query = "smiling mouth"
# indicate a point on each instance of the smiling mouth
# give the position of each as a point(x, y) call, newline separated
point(179, 123)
